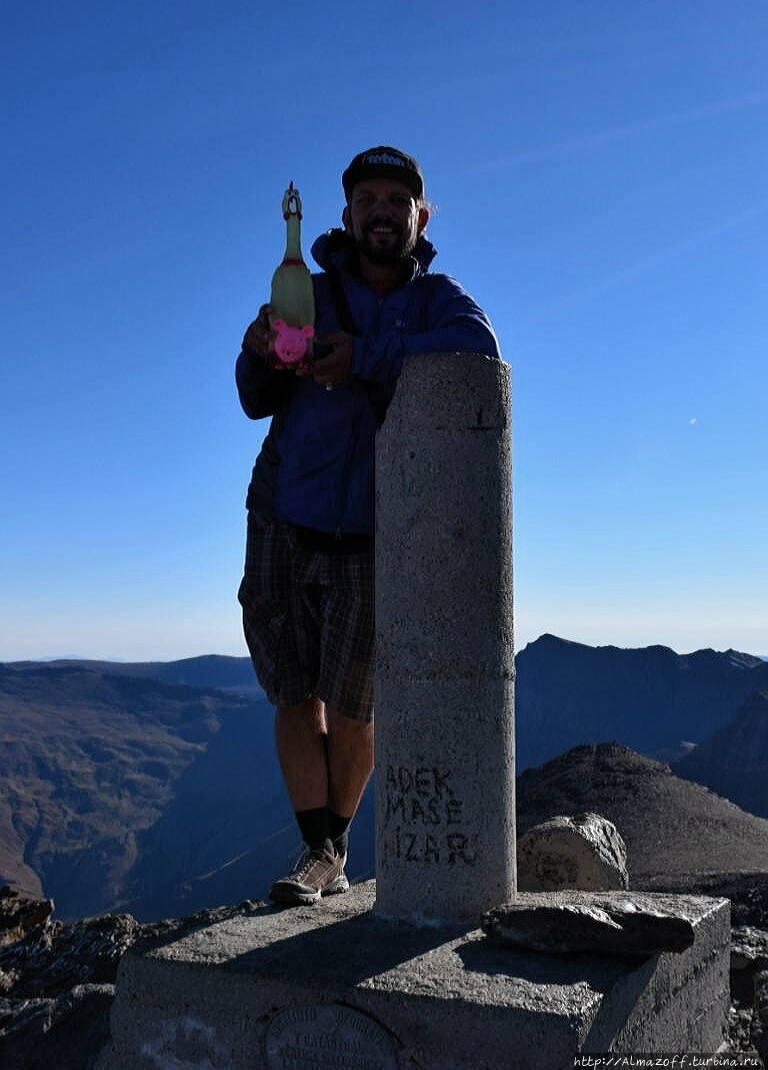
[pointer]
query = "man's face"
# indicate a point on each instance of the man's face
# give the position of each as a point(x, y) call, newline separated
point(384, 220)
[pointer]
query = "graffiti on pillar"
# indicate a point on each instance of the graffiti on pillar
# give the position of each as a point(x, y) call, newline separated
point(424, 818)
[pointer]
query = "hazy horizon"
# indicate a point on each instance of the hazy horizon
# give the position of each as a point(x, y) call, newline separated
point(43, 659)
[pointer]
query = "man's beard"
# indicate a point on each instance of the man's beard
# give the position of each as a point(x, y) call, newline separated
point(399, 248)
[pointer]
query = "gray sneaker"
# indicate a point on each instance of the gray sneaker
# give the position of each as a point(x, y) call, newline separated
point(317, 873)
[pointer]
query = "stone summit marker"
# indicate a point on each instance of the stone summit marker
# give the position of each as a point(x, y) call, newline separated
point(445, 728)
point(397, 974)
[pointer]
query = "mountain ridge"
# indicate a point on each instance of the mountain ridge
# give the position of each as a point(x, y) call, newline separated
point(650, 698)
point(133, 787)
point(732, 761)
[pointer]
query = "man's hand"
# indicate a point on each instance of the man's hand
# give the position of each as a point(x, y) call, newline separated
point(259, 336)
point(337, 366)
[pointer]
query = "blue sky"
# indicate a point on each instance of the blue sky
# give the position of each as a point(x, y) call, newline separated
point(599, 169)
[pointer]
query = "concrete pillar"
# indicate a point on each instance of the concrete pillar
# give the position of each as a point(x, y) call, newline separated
point(445, 768)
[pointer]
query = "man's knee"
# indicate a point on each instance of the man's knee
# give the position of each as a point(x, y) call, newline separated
point(352, 730)
point(309, 713)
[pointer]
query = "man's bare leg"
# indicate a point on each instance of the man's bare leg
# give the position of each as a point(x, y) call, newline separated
point(350, 761)
point(306, 757)
point(301, 737)
point(326, 758)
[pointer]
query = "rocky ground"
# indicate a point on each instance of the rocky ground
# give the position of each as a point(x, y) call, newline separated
point(748, 1017)
point(57, 981)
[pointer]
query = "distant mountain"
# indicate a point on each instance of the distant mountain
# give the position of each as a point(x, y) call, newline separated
point(123, 792)
point(90, 761)
point(210, 670)
point(650, 699)
point(733, 761)
point(154, 788)
point(675, 831)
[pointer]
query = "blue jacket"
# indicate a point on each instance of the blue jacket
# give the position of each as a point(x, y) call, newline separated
point(316, 467)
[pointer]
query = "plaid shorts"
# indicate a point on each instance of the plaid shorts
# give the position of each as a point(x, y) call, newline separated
point(308, 618)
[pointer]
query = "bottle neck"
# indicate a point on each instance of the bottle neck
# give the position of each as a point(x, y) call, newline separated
point(293, 239)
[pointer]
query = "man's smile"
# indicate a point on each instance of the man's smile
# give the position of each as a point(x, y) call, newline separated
point(382, 228)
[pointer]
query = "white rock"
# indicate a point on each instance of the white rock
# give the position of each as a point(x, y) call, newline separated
point(584, 852)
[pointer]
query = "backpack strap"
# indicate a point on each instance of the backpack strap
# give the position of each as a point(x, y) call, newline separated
point(341, 302)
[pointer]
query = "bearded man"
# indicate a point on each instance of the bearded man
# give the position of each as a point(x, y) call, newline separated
point(307, 591)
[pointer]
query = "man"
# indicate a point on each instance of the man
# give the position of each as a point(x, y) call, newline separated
point(307, 591)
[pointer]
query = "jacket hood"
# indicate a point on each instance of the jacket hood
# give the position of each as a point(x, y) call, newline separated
point(334, 249)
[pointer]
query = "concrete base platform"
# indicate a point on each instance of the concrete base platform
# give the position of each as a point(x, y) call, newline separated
point(335, 987)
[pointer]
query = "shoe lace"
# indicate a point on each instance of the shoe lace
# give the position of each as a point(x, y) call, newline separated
point(305, 862)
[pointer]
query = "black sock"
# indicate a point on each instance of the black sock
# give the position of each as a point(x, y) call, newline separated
point(339, 828)
point(314, 826)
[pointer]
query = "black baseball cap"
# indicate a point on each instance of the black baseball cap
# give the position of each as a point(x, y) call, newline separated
point(384, 162)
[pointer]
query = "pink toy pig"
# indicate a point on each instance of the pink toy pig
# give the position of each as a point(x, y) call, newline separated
point(291, 342)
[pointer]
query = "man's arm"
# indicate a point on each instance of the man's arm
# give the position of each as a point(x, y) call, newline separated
point(457, 324)
point(261, 387)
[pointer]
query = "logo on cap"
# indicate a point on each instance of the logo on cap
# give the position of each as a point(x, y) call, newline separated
point(388, 158)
